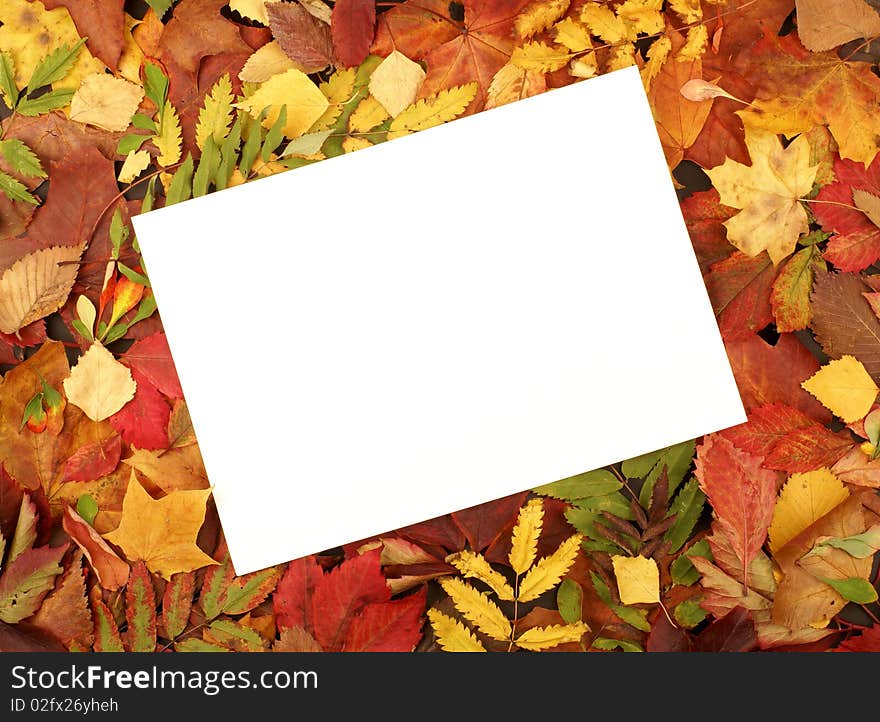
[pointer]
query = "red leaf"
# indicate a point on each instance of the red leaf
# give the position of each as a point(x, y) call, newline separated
point(441, 531)
point(767, 425)
point(387, 626)
point(94, 460)
point(352, 26)
point(10, 502)
point(111, 571)
point(342, 594)
point(65, 612)
point(102, 21)
point(666, 638)
point(734, 632)
point(143, 421)
point(741, 492)
point(705, 216)
point(151, 356)
point(857, 243)
point(808, 448)
point(867, 641)
point(481, 525)
point(739, 288)
point(293, 596)
point(25, 638)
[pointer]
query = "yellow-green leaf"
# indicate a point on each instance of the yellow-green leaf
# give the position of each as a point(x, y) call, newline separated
point(216, 114)
point(294, 90)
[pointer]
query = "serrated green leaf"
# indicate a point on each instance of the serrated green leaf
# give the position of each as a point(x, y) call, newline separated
point(216, 113)
point(207, 167)
point(87, 508)
point(245, 593)
point(606, 644)
point(180, 188)
point(55, 66)
point(854, 589)
point(687, 507)
point(677, 460)
point(107, 637)
point(228, 156)
point(333, 145)
point(140, 610)
point(683, 571)
point(275, 135)
point(570, 600)
point(160, 7)
point(614, 503)
point(15, 190)
point(198, 645)
point(177, 604)
point(236, 636)
point(600, 482)
point(213, 595)
point(251, 146)
point(7, 79)
point(689, 613)
point(45, 103)
point(22, 159)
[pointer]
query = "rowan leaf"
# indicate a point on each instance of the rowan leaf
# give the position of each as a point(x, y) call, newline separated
point(107, 637)
point(21, 158)
point(169, 139)
point(548, 572)
point(537, 639)
point(524, 538)
point(140, 610)
point(638, 579)
point(790, 296)
point(215, 115)
point(472, 565)
point(452, 635)
point(477, 608)
point(539, 57)
point(177, 601)
point(54, 66)
point(99, 384)
point(845, 387)
point(437, 109)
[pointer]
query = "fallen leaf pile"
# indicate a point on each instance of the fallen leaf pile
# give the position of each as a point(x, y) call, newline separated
point(758, 537)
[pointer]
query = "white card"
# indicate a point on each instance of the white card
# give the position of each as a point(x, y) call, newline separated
point(467, 312)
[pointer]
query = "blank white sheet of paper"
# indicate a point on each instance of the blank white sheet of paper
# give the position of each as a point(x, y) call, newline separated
point(438, 321)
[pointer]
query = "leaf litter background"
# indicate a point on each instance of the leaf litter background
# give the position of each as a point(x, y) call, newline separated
point(761, 537)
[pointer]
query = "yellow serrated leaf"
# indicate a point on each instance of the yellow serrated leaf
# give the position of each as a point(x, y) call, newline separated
point(603, 23)
point(539, 15)
point(294, 89)
point(623, 56)
point(216, 113)
point(338, 89)
point(474, 566)
point(99, 384)
point(804, 499)
point(690, 10)
point(638, 579)
point(538, 638)
point(267, 61)
point(350, 145)
point(395, 82)
point(251, 9)
point(573, 35)
point(512, 83)
point(539, 57)
point(643, 16)
point(437, 109)
point(169, 139)
point(105, 102)
point(657, 57)
point(696, 45)
point(548, 572)
point(36, 285)
point(368, 114)
point(452, 635)
point(136, 162)
point(845, 387)
point(477, 608)
point(526, 532)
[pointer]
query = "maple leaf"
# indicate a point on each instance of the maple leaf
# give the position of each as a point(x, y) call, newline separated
point(162, 533)
point(741, 494)
point(768, 192)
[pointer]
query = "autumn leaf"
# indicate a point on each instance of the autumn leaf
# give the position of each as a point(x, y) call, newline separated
point(292, 90)
point(477, 608)
point(638, 579)
point(428, 112)
point(768, 193)
point(524, 539)
point(845, 387)
point(162, 532)
point(106, 102)
point(111, 571)
point(824, 26)
point(395, 83)
point(452, 635)
point(303, 38)
point(804, 499)
point(99, 384)
point(352, 26)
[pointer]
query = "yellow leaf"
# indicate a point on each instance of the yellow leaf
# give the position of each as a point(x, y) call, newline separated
point(643, 16)
point(539, 15)
point(689, 10)
point(36, 285)
point(767, 192)
point(267, 61)
point(350, 145)
point(603, 23)
point(638, 579)
point(169, 140)
point(136, 162)
point(658, 54)
point(524, 540)
point(437, 109)
point(585, 67)
point(162, 532)
point(867, 203)
point(170, 470)
point(845, 387)
point(474, 566)
point(338, 89)
point(804, 499)
point(99, 384)
point(477, 608)
point(538, 638)
point(395, 82)
point(622, 56)
point(548, 572)
point(29, 32)
point(539, 57)
point(452, 635)
point(512, 83)
point(293, 89)
point(251, 9)
point(105, 102)
point(573, 35)
point(368, 114)
point(216, 114)
point(696, 44)
point(132, 56)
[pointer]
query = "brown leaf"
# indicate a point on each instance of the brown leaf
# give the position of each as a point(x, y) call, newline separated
point(823, 25)
point(302, 37)
point(296, 639)
point(111, 571)
point(65, 613)
point(102, 21)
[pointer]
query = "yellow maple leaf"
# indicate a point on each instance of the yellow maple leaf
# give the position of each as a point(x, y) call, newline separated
point(169, 139)
point(547, 573)
point(845, 387)
point(477, 608)
point(99, 384)
point(294, 90)
point(395, 82)
point(539, 57)
point(638, 579)
point(267, 61)
point(538, 638)
point(216, 113)
point(105, 102)
point(539, 15)
point(452, 635)
point(437, 109)
point(804, 499)
point(162, 532)
point(767, 193)
point(36, 285)
point(474, 566)
point(526, 532)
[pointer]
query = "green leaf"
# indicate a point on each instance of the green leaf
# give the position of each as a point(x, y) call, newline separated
point(144, 122)
point(584, 521)
point(677, 460)
point(602, 590)
point(82, 329)
point(854, 589)
point(55, 66)
point(128, 143)
point(813, 238)
point(155, 85)
point(570, 600)
point(687, 506)
point(147, 204)
point(107, 638)
point(333, 145)
point(275, 135)
point(685, 573)
point(133, 275)
point(590, 484)
point(51, 398)
point(116, 332)
point(245, 593)
point(146, 309)
point(236, 635)
point(45, 103)
point(160, 7)
point(213, 595)
point(7, 79)
point(181, 184)
point(308, 144)
point(228, 156)
point(689, 613)
point(859, 546)
point(615, 503)
point(633, 616)
point(118, 233)
point(22, 159)
point(177, 604)
point(33, 408)
point(251, 146)
point(15, 190)
point(604, 643)
point(198, 645)
point(140, 610)
point(207, 167)
point(87, 507)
